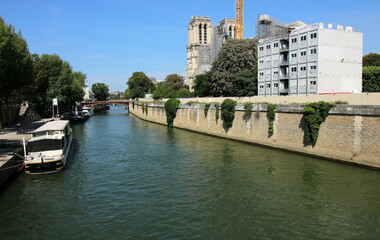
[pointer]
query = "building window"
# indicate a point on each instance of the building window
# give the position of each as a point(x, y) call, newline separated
point(261, 48)
point(268, 46)
point(294, 55)
point(268, 85)
point(294, 69)
point(313, 35)
point(275, 72)
point(275, 45)
point(313, 83)
point(303, 53)
point(313, 67)
point(294, 40)
point(303, 68)
point(234, 32)
point(261, 74)
point(275, 85)
point(200, 33)
point(230, 32)
point(205, 33)
point(313, 51)
point(261, 86)
point(303, 38)
point(261, 61)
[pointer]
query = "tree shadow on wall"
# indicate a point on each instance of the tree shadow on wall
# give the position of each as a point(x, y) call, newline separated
point(247, 116)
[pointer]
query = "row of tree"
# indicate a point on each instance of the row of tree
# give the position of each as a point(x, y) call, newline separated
point(26, 76)
point(139, 84)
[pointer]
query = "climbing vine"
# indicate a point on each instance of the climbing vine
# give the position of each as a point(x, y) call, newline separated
point(216, 112)
point(142, 107)
point(315, 114)
point(207, 106)
point(146, 109)
point(228, 112)
point(171, 107)
point(248, 108)
point(271, 115)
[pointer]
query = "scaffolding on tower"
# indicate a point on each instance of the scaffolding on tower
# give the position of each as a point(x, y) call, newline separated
point(239, 14)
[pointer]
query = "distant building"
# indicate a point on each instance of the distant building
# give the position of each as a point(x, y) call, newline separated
point(116, 95)
point(87, 93)
point(308, 59)
point(153, 79)
point(204, 43)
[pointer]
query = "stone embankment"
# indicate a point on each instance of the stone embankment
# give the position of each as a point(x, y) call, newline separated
point(351, 133)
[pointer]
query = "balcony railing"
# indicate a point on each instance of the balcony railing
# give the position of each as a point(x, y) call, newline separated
point(284, 62)
point(284, 90)
point(284, 76)
point(284, 48)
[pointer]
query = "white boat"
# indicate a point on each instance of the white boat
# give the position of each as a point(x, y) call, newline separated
point(88, 110)
point(49, 148)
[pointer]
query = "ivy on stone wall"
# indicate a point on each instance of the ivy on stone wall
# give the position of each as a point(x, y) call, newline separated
point(315, 114)
point(271, 115)
point(216, 112)
point(142, 107)
point(207, 106)
point(228, 112)
point(171, 107)
point(146, 109)
point(248, 108)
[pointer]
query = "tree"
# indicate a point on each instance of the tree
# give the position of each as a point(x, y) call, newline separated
point(139, 84)
point(202, 85)
point(371, 59)
point(243, 84)
point(100, 91)
point(79, 80)
point(371, 79)
point(174, 81)
point(16, 66)
point(234, 57)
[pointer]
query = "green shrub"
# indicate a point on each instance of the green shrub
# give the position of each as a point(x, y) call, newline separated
point(146, 109)
point(271, 115)
point(228, 112)
point(248, 108)
point(340, 102)
point(171, 107)
point(216, 112)
point(207, 106)
point(142, 107)
point(315, 114)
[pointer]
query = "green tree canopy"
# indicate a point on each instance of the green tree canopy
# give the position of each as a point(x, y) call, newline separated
point(371, 79)
point(16, 66)
point(235, 56)
point(54, 79)
point(174, 81)
point(202, 85)
point(172, 87)
point(371, 59)
point(100, 91)
point(79, 80)
point(139, 84)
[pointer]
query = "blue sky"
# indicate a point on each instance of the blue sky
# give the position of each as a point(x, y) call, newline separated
point(110, 39)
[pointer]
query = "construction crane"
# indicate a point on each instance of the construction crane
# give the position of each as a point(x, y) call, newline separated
point(239, 15)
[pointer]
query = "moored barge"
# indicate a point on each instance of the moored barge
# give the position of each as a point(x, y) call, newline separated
point(49, 148)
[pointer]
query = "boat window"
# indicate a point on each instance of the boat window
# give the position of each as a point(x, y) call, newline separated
point(39, 134)
point(45, 145)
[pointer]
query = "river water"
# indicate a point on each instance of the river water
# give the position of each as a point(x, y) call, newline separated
point(130, 179)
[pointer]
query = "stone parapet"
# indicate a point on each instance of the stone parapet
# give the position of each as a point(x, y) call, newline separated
point(351, 133)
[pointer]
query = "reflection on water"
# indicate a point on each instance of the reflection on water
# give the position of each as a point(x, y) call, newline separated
point(130, 179)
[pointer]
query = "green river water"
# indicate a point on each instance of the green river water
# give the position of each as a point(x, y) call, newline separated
point(130, 179)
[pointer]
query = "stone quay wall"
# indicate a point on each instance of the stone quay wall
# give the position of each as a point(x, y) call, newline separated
point(351, 133)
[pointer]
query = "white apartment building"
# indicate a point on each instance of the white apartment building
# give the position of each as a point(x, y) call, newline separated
point(312, 59)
